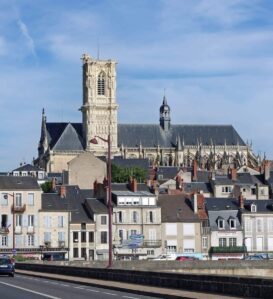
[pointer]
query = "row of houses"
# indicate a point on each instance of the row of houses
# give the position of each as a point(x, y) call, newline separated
point(73, 223)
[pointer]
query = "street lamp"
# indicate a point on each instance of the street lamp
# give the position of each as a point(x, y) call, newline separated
point(109, 194)
point(13, 221)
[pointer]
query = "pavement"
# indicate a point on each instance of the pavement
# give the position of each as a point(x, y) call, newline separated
point(128, 287)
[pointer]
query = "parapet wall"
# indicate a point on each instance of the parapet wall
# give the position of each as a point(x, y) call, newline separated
point(228, 285)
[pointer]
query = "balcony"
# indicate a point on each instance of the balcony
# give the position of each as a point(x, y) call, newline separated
point(30, 230)
point(47, 244)
point(228, 249)
point(18, 230)
point(61, 244)
point(18, 209)
point(152, 243)
point(4, 230)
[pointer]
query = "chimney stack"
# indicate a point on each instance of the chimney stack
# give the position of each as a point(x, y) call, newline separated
point(53, 184)
point(233, 174)
point(95, 187)
point(62, 191)
point(133, 185)
point(194, 175)
point(195, 208)
point(241, 201)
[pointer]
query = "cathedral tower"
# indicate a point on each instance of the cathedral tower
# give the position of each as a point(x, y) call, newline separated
point(99, 109)
point(165, 118)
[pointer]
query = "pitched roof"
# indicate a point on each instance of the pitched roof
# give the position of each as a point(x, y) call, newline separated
point(152, 135)
point(132, 162)
point(28, 167)
point(126, 187)
point(176, 208)
point(197, 186)
point(65, 136)
point(73, 201)
point(168, 172)
point(148, 135)
point(18, 183)
point(97, 206)
point(263, 205)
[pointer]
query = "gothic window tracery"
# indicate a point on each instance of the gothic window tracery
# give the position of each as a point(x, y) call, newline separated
point(101, 84)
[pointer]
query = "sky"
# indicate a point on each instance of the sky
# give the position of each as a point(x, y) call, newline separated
point(214, 58)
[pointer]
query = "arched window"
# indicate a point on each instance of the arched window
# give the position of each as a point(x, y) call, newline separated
point(101, 84)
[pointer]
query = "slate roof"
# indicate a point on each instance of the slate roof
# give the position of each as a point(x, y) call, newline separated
point(222, 180)
point(18, 183)
point(96, 206)
point(168, 172)
point(203, 176)
point(68, 136)
point(65, 136)
point(28, 167)
point(222, 208)
point(126, 187)
point(176, 208)
point(197, 186)
point(73, 201)
point(263, 206)
point(121, 162)
point(152, 135)
point(248, 179)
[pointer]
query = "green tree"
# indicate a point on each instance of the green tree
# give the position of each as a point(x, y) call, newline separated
point(47, 187)
point(123, 174)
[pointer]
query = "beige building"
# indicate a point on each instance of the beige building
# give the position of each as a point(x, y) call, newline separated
point(85, 169)
point(181, 229)
point(136, 222)
point(20, 203)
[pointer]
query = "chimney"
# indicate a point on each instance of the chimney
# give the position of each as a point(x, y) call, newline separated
point(62, 191)
point(194, 175)
point(201, 202)
point(266, 170)
point(178, 182)
point(233, 174)
point(195, 208)
point(53, 184)
point(241, 201)
point(133, 185)
point(95, 187)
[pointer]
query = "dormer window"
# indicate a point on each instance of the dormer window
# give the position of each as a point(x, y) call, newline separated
point(221, 223)
point(232, 223)
point(253, 208)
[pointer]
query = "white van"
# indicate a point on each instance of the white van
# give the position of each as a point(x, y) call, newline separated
point(165, 257)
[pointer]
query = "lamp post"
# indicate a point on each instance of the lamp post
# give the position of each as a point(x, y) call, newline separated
point(109, 195)
point(13, 221)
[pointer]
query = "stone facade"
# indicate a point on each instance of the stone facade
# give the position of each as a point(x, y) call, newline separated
point(85, 169)
point(212, 146)
point(99, 109)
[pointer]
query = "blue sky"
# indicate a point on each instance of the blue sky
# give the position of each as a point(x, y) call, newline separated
point(213, 57)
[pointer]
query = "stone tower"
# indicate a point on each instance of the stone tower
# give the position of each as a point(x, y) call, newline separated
point(165, 118)
point(99, 109)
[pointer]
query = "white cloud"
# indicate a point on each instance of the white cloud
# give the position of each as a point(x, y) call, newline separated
point(29, 40)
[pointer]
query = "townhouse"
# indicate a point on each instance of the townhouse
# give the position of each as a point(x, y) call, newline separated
point(19, 217)
point(181, 230)
point(136, 222)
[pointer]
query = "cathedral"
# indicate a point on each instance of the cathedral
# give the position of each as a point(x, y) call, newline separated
point(164, 143)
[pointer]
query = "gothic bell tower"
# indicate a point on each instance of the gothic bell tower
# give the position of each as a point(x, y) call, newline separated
point(165, 118)
point(99, 109)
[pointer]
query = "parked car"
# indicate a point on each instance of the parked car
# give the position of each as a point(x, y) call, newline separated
point(186, 258)
point(7, 266)
point(254, 258)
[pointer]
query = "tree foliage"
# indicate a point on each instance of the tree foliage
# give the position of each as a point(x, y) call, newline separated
point(47, 187)
point(124, 174)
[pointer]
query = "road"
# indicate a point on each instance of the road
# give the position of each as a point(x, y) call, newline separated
point(22, 286)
